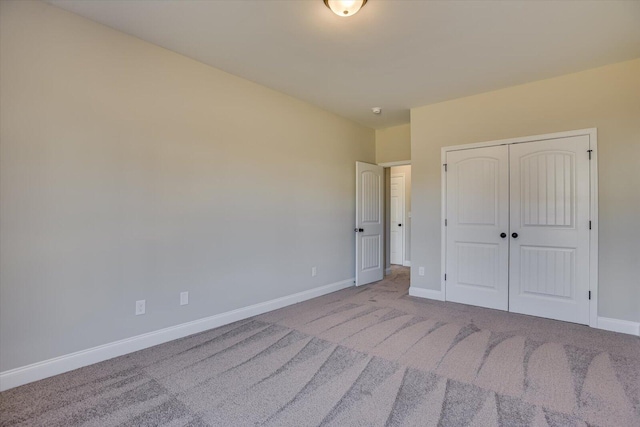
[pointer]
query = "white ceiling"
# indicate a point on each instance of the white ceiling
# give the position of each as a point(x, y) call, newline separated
point(393, 54)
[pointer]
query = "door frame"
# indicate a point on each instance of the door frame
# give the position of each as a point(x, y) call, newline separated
point(389, 165)
point(404, 214)
point(592, 133)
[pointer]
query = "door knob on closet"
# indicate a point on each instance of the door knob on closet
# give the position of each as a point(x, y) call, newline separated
point(399, 225)
point(503, 235)
point(514, 235)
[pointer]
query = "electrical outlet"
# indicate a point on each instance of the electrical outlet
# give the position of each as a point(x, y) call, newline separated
point(184, 298)
point(314, 272)
point(140, 307)
point(420, 271)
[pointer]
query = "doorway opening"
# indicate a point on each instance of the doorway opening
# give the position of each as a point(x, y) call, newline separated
point(397, 216)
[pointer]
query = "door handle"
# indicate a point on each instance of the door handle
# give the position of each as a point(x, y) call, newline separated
point(514, 235)
point(503, 235)
point(399, 225)
point(359, 230)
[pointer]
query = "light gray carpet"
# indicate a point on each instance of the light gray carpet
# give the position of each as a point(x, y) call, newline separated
point(368, 356)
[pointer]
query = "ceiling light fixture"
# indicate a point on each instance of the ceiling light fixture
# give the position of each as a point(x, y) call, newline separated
point(345, 7)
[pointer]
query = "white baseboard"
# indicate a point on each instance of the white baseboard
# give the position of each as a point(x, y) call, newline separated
point(605, 323)
point(406, 263)
point(426, 293)
point(68, 362)
point(617, 325)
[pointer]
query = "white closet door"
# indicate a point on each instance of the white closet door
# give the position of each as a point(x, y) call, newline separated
point(477, 214)
point(549, 267)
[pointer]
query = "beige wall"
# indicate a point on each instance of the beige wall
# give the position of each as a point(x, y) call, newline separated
point(130, 172)
point(606, 98)
point(393, 144)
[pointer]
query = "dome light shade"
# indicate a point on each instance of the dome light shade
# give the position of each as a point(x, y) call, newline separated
point(345, 7)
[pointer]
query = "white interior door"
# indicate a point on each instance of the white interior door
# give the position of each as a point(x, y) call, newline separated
point(397, 219)
point(549, 267)
point(369, 223)
point(477, 246)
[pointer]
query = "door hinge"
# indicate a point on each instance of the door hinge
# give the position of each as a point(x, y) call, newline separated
point(589, 294)
point(589, 151)
point(589, 225)
point(445, 222)
point(445, 167)
point(445, 277)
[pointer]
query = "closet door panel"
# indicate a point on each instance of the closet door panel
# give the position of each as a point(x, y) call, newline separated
point(549, 227)
point(477, 213)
